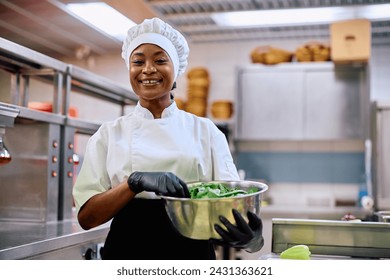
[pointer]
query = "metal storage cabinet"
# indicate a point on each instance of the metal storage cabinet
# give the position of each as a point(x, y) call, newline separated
point(270, 103)
point(381, 153)
point(30, 184)
point(302, 101)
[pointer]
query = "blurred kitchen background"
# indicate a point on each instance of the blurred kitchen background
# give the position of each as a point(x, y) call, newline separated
point(304, 102)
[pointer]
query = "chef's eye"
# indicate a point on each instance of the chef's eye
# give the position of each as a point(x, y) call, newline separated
point(161, 60)
point(137, 62)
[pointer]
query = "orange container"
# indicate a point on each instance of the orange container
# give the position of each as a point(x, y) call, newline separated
point(48, 107)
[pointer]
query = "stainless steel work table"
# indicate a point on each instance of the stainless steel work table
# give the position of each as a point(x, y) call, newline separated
point(53, 240)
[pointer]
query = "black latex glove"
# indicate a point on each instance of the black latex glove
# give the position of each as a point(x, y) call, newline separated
point(243, 235)
point(164, 183)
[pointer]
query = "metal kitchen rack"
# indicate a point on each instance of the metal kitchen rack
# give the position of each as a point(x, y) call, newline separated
point(23, 64)
point(41, 223)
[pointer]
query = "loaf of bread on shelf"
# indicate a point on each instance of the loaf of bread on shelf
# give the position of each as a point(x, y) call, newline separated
point(313, 51)
point(270, 55)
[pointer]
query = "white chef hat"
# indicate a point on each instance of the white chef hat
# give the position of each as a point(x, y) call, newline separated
point(157, 32)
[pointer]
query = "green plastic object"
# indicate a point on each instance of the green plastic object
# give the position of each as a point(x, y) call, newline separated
point(297, 252)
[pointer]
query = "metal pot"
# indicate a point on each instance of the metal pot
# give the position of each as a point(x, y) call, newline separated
point(195, 218)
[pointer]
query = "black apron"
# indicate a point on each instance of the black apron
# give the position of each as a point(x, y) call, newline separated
point(142, 231)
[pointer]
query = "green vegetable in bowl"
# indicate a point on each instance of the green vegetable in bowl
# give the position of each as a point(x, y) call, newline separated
point(216, 190)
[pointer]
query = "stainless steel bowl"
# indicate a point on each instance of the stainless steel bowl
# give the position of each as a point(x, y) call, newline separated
point(195, 218)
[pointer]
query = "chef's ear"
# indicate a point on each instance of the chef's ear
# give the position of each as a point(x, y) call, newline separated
point(174, 85)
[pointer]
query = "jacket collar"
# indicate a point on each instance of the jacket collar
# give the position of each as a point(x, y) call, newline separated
point(142, 112)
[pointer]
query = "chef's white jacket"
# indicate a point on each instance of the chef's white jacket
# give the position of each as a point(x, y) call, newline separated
point(191, 147)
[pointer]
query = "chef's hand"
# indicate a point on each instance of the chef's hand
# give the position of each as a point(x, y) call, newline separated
point(164, 183)
point(247, 236)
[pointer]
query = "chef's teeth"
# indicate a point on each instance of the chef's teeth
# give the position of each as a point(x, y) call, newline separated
point(150, 82)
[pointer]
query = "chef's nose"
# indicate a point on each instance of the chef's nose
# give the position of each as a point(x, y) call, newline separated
point(149, 68)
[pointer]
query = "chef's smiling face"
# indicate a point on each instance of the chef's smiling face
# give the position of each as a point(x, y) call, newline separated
point(151, 73)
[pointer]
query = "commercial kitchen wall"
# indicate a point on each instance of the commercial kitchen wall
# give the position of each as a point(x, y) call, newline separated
point(222, 59)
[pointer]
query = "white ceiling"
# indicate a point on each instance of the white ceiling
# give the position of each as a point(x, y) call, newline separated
point(46, 26)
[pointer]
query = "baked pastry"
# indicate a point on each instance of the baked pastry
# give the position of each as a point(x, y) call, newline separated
point(270, 55)
point(313, 51)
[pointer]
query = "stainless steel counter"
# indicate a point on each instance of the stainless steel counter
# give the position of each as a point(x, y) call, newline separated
point(313, 212)
point(269, 212)
point(52, 240)
point(333, 238)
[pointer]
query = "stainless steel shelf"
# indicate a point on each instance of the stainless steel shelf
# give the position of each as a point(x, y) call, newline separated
point(82, 126)
point(16, 57)
point(28, 63)
point(21, 112)
point(7, 115)
point(92, 84)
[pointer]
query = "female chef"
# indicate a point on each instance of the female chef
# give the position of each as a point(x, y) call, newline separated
point(154, 150)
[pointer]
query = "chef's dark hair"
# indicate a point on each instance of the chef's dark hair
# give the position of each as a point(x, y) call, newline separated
point(173, 87)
